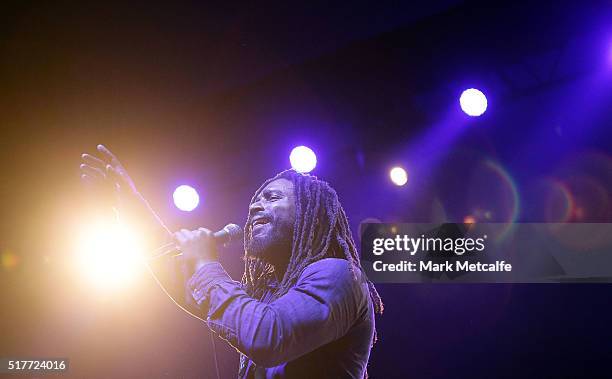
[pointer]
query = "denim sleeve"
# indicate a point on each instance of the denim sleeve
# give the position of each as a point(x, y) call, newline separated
point(321, 308)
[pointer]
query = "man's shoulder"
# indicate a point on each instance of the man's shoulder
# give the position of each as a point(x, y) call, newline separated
point(331, 265)
point(333, 268)
point(335, 280)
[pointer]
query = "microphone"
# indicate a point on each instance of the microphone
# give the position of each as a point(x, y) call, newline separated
point(229, 234)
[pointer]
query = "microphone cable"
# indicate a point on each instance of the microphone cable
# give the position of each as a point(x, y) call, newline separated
point(212, 337)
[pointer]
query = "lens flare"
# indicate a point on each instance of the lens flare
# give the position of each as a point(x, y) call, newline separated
point(398, 176)
point(8, 260)
point(559, 205)
point(469, 219)
point(493, 191)
point(109, 255)
point(303, 159)
point(473, 102)
point(186, 198)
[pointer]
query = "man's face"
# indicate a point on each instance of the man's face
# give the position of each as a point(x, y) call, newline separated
point(272, 218)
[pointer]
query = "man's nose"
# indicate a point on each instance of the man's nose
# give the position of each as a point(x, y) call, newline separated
point(255, 207)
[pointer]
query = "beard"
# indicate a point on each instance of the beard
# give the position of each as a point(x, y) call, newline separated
point(273, 244)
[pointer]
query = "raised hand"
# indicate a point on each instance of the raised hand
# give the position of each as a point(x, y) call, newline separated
point(110, 174)
point(107, 174)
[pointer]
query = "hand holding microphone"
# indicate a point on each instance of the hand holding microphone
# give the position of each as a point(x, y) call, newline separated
point(200, 245)
point(202, 242)
point(197, 245)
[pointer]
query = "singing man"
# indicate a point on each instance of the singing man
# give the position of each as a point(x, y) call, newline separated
point(304, 307)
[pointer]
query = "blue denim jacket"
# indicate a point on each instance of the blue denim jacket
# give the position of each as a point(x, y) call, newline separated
point(322, 328)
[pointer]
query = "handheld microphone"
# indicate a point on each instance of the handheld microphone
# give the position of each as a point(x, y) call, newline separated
point(229, 234)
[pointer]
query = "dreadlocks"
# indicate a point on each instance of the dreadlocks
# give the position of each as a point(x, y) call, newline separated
point(321, 230)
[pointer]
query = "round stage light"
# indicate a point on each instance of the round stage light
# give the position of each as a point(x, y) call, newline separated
point(186, 198)
point(473, 102)
point(109, 255)
point(398, 176)
point(303, 159)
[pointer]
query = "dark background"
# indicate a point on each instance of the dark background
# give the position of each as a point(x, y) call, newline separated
point(216, 96)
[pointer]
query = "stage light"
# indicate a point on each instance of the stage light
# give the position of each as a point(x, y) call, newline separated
point(473, 102)
point(186, 198)
point(398, 176)
point(303, 159)
point(109, 255)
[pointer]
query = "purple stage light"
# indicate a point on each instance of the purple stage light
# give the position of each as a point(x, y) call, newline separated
point(473, 102)
point(186, 198)
point(303, 159)
point(398, 176)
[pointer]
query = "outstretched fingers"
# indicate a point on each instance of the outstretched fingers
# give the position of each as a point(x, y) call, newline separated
point(90, 180)
point(107, 156)
point(117, 176)
point(92, 171)
point(92, 161)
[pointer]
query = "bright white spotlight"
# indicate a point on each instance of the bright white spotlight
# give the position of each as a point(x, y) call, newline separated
point(398, 176)
point(473, 102)
point(109, 255)
point(186, 198)
point(303, 159)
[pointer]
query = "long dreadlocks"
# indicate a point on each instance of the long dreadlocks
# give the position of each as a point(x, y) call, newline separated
point(321, 230)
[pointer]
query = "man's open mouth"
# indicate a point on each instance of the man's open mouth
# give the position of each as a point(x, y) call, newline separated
point(260, 221)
